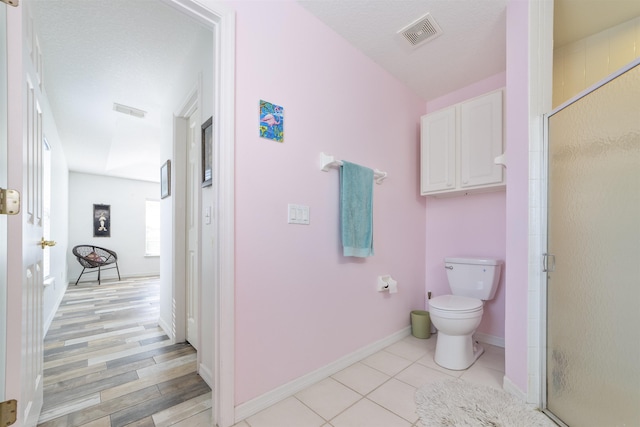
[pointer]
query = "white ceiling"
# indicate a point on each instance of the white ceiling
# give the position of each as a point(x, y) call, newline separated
point(471, 47)
point(97, 52)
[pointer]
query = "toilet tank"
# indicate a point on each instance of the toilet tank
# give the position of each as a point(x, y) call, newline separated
point(473, 277)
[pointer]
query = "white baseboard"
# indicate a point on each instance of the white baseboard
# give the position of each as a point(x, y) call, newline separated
point(167, 329)
point(52, 315)
point(256, 405)
point(206, 374)
point(511, 388)
point(489, 339)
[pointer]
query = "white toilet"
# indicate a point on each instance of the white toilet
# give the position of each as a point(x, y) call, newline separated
point(472, 281)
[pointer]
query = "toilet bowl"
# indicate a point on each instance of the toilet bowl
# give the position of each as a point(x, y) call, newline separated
point(456, 319)
point(457, 316)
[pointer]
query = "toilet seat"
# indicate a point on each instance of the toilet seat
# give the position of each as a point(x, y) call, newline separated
point(456, 304)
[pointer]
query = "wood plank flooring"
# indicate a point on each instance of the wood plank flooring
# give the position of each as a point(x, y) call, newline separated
point(107, 363)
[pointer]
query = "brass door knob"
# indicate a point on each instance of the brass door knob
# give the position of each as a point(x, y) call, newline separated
point(45, 243)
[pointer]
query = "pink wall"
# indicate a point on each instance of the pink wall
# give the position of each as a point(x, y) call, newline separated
point(467, 225)
point(517, 103)
point(300, 304)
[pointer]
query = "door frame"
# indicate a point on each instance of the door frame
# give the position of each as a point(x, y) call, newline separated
point(221, 19)
point(3, 184)
point(192, 103)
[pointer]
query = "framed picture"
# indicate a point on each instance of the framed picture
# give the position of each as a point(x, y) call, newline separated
point(165, 179)
point(101, 221)
point(207, 153)
point(271, 121)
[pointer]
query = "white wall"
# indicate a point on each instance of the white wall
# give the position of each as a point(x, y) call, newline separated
point(198, 67)
point(127, 200)
point(57, 285)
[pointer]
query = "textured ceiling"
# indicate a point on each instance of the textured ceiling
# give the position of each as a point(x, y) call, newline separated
point(100, 52)
point(97, 52)
point(471, 48)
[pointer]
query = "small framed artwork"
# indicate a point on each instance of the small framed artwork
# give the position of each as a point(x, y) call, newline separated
point(101, 221)
point(165, 179)
point(271, 121)
point(207, 153)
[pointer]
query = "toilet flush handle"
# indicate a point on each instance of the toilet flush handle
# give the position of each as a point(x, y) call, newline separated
point(449, 267)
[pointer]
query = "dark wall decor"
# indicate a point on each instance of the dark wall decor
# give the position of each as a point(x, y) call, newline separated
point(207, 153)
point(165, 179)
point(101, 221)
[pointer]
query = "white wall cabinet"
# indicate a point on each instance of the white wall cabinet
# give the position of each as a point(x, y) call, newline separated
point(459, 145)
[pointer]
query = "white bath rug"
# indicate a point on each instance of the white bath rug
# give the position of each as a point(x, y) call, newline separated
point(458, 403)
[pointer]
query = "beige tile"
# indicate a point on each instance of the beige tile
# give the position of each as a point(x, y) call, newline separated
point(328, 398)
point(365, 413)
point(398, 397)
point(288, 413)
point(485, 376)
point(183, 411)
point(410, 348)
point(428, 361)
point(418, 375)
point(493, 357)
point(361, 378)
point(241, 424)
point(386, 362)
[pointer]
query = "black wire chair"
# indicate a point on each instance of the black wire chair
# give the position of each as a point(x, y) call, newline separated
point(91, 257)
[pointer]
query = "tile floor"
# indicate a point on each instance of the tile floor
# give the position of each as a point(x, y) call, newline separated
point(378, 391)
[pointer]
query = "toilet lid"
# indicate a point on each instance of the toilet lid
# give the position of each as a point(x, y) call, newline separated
point(455, 303)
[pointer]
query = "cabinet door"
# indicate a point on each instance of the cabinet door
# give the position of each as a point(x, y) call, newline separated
point(480, 128)
point(438, 151)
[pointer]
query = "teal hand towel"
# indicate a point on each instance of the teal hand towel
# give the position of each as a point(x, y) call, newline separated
point(356, 210)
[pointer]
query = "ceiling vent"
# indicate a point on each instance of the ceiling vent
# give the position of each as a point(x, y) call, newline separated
point(124, 109)
point(421, 31)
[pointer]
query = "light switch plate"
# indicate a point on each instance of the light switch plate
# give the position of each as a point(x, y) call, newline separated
point(298, 214)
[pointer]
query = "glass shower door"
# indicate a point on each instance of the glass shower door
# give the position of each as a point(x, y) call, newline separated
point(593, 293)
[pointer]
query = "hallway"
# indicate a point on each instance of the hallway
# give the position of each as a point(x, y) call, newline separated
point(108, 363)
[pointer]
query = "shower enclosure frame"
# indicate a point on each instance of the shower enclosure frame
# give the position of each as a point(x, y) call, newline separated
point(548, 260)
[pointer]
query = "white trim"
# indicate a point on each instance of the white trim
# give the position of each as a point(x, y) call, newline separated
point(167, 329)
point(540, 94)
point(47, 323)
point(256, 405)
point(221, 19)
point(192, 103)
point(224, 350)
point(206, 374)
point(489, 339)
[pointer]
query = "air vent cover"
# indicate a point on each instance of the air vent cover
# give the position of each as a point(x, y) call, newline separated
point(125, 109)
point(421, 31)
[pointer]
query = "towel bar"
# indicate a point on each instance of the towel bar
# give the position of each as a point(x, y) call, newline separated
point(327, 162)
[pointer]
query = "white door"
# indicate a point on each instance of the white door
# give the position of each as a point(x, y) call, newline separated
point(192, 227)
point(3, 184)
point(32, 251)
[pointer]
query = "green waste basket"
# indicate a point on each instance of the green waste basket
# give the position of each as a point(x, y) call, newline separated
point(420, 324)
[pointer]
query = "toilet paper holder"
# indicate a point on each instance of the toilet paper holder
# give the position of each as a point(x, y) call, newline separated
point(386, 283)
